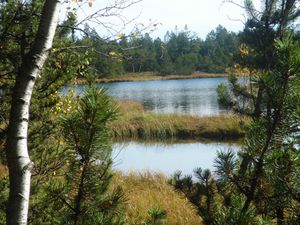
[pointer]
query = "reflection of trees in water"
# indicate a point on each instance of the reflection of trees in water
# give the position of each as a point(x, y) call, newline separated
point(149, 104)
point(185, 103)
point(191, 97)
point(181, 103)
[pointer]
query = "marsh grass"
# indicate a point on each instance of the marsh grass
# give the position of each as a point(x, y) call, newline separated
point(144, 76)
point(136, 123)
point(3, 171)
point(145, 191)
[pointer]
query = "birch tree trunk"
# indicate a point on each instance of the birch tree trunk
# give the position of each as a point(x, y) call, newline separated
point(18, 160)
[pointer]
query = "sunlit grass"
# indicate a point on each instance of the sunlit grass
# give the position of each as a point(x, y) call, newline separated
point(134, 122)
point(143, 76)
point(145, 191)
point(3, 171)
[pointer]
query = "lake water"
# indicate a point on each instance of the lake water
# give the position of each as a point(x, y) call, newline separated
point(167, 158)
point(191, 96)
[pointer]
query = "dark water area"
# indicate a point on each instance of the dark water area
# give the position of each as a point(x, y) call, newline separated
point(189, 96)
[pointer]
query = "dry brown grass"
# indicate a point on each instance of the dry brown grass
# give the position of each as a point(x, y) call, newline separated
point(129, 107)
point(3, 171)
point(152, 76)
point(134, 122)
point(151, 190)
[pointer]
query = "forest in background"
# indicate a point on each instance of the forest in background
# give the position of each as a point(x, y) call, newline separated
point(180, 52)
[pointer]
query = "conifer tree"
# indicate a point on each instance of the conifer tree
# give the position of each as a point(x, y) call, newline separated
point(84, 195)
point(259, 185)
point(264, 172)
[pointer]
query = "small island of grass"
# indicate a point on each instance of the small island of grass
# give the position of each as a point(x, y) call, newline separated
point(134, 122)
point(145, 76)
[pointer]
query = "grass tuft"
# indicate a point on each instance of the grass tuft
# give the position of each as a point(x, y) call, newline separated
point(147, 191)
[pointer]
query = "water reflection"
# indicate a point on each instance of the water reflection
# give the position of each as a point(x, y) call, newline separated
point(166, 158)
point(192, 96)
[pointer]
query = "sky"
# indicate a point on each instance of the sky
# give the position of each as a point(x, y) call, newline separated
point(200, 16)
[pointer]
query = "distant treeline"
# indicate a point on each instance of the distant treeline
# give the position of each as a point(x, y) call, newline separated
point(181, 52)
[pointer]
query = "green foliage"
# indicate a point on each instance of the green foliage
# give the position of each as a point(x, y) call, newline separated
point(218, 51)
point(200, 193)
point(276, 18)
point(217, 202)
point(232, 214)
point(186, 64)
point(223, 95)
point(259, 184)
point(3, 197)
point(55, 161)
point(264, 172)
point(156, 217)
point(19, 20)
point(83, 193)
point(105, 57)
point(180, 53)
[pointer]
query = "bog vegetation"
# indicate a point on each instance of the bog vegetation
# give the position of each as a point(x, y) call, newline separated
point(64, 160)
point(136, 123)
point(151, 200)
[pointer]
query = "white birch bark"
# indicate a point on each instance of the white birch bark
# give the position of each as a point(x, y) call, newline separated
point(19, 163)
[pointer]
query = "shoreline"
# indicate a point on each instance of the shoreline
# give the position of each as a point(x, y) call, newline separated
point(142, 130)
point(135, 123)
point(178, 140)
point(151, 76)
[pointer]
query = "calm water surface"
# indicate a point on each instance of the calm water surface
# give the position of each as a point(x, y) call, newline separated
point(166, 158)
point(192, 96)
